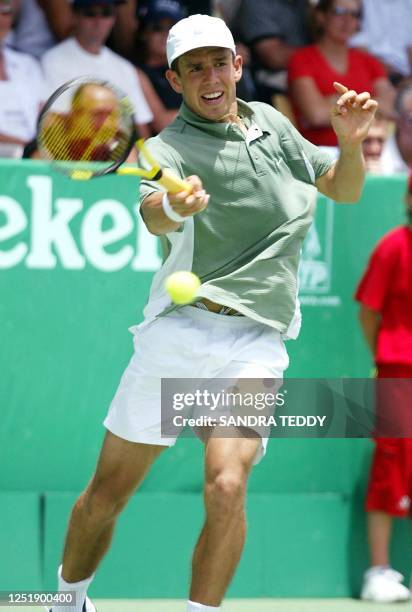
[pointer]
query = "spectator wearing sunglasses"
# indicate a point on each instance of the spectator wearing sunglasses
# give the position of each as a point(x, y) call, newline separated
point(85, 54)
point(393, 44)
point(313, 70)
point(156, 19)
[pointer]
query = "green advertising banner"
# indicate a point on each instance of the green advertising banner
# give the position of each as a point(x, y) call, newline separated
point(75, 267)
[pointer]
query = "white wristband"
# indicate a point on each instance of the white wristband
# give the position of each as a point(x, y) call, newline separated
point(169, 212)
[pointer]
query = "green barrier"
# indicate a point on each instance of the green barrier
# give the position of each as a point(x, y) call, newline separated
point(20, 542)
point(151, 553)
point(298, 545)
point(75, 268)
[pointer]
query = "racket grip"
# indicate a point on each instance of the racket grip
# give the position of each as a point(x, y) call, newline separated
point(172, 183)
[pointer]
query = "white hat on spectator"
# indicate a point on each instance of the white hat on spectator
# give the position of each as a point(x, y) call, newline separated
point(195, 32)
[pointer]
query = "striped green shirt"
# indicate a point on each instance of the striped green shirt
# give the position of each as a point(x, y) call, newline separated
point(245, 245)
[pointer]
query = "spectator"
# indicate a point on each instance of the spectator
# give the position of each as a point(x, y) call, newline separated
point(228, 9)
point(21, 91)
point(313, 69)
point(385, 295)
point(40, 24)
point(397, 153)
point(85, 54)
point(273, 29)
point(123, 35)
point(373, 146)
point(156, 20)
point(386, 32)
point(128, 22)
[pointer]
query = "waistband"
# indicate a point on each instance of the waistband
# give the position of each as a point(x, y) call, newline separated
point(224, 310)
point(199, 314)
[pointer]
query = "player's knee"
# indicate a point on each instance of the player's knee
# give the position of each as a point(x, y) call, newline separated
point(225, 491)
point(104, 501)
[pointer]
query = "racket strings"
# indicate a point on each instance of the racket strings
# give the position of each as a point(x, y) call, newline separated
point(80, 143)
point(85, 134)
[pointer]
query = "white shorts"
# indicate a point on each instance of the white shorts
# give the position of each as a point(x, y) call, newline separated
point(189, 343)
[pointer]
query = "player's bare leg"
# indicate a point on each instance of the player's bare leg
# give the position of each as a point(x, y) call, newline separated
point(379, 535)
point(121, 468)
point(227, 465)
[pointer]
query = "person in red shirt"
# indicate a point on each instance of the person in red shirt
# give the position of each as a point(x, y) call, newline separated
point(313, 69)
point(385, 296)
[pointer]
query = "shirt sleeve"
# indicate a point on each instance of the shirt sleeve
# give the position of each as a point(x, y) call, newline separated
point(373, 286)
point(165, 158)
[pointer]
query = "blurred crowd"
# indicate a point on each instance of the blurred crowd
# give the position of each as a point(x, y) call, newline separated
point(292, 53)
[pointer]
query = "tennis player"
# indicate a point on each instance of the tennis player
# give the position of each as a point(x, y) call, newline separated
point(241, 231)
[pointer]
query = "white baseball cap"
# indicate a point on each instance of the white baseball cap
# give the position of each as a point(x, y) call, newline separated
point(198, 31)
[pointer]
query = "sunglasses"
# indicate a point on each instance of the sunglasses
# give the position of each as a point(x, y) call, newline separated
point(341, 11)
point(97, 11)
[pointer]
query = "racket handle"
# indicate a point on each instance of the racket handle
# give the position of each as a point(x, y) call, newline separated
point(172, 183)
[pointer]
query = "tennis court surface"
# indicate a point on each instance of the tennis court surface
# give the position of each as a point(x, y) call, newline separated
point(241, 605)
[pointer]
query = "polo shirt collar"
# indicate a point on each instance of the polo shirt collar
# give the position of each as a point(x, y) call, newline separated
point(215, 128)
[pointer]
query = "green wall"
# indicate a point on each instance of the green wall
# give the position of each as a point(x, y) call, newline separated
point(75, 267)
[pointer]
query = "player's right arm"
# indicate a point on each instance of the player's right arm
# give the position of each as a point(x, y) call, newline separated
point(183, 204)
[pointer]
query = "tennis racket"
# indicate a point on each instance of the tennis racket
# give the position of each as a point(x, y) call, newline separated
point(87, 129)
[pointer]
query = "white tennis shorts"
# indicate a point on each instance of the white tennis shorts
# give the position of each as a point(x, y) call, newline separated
point(190, 343)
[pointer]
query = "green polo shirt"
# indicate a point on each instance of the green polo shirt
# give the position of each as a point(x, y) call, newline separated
point(245, 245)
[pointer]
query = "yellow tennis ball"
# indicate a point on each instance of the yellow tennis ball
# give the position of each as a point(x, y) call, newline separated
point(182, 287)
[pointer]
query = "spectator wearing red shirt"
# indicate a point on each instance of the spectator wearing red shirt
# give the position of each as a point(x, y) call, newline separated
point(385, 295)
point(313, 70)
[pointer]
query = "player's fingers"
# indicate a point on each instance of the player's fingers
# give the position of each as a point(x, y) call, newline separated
point(177, 200)
point(194, 197)
point(199, 206)
point(339, 87)
point(195, 182)
point(196, 207)
point(362, 98)
point(370, 105)
point(347, 98)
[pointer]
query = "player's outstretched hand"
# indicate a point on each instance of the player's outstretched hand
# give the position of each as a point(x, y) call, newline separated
point(186, 204)
point(352, 115)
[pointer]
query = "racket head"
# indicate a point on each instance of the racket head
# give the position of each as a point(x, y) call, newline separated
point(86, 128)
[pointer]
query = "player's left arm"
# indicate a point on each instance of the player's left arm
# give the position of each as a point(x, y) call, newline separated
point(351, 118)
